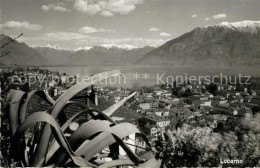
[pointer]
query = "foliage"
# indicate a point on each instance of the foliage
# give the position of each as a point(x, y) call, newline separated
point(46, 144)
point(212, 88)
point(198, 146)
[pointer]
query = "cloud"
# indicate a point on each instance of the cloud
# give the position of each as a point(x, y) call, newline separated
point(63, 36)
point(164, 34)
point(121, 6)
point(207, 19)
point(106, 7)
point(85, 7)
point(106, 13)
point(219, 16)
point(15, 25)
point(153, 29)
point(56, 7)
point(194, 16)
point(88, 30)
point(60, 8)
point(138, 42)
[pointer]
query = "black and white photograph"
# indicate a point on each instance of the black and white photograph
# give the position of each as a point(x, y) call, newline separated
point(130, 83)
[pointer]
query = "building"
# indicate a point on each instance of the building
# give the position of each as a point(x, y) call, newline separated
point(159, 112)
point(154, 105)
point(153, 125)
point(155, 120)
point(214, 119)
point(193, 98)
point(144, 106)
point(201, 103)
point(236, 109)
point(255, 100)
point(218, 100)
point(140, 145)
point(130, 141)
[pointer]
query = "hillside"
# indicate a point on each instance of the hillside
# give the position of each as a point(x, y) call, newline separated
point(22, 54)
point(54, 56)
point(223, 45)
point(19, 53)
point(98, 55)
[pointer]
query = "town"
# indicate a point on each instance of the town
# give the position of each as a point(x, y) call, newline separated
point(130, 83)
point(154, 110)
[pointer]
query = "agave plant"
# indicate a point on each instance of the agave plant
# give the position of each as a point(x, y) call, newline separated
point(48, 145)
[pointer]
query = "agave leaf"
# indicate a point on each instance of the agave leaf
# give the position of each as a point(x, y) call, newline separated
point(15, 98)
point(23, 110)
point(24, 105)
point(42, 147)
point(83, 106)
point(109, 111)
point(83, 133)
point(9, 95)
point(87, 130)
point(54, 144)
point(69, 103)
point(44, 117)
point(119, 162)
point(26, 158)
point(117, 133)
point(103, 116)
point(73, 118)
point(133, 157)
point(105, 139)
point(94, 146)
point(89, 111)
point(100, 156)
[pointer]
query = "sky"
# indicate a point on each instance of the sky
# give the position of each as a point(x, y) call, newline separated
point(73, 24)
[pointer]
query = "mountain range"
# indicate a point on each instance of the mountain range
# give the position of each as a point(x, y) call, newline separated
point(98, 55)
point(222, 45)
point(19, 53)
point(22, 54)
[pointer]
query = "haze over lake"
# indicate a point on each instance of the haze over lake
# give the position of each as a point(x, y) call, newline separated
point(153, 72)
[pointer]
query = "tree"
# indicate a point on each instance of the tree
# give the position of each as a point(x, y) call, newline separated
point(201, 146)
point(189, 148)
point(212, 88)
point(188, 92)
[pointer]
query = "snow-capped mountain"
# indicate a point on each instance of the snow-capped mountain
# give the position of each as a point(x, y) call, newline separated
point(107, 46)
point(224, 44)
point(82, 48)
point(51, 47)
point(100, 55)
point(246, 26)
point(97, 55)
point(122, 46)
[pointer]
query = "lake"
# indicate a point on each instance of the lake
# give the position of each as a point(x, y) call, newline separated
point(135, 76)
